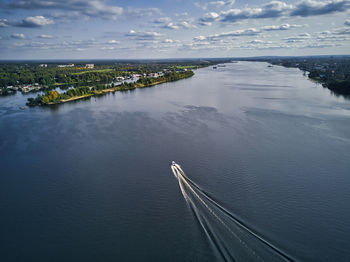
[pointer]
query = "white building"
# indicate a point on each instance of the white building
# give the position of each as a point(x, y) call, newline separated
point(69, 65)
point(120, 78)
point(155, 75)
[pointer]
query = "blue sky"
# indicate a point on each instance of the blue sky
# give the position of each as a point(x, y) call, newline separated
point(85, 29)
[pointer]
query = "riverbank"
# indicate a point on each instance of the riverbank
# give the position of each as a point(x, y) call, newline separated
point(54, 98)
point(331, 73)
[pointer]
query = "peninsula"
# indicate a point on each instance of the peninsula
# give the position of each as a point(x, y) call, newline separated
point(53, 97)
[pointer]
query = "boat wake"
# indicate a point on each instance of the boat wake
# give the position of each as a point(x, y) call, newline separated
point(229, 237)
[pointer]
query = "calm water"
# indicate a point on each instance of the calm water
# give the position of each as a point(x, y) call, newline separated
point(90, 180)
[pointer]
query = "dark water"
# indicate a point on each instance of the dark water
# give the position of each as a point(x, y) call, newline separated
point(90, 180)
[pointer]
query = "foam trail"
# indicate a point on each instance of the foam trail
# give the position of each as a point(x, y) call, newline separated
point(238, 221)
point(174, 171)
point(210, 233)
point(179, 175)
point(230, 237)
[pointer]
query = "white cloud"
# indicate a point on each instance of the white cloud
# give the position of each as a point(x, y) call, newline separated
point(342, 31)
point(91, 8)
point(215, 4)
point(142, 12)
point(67, 45)
point(247, 32)
point(275, 9)
point(257, 41)
point(318, 45)
point(171, 25)
point(149, 35)
point(186, 24)
point(167, 23)
point(209, 17)
point(200, 38)
point(230, 34)
point(3, 23)
point(280, 27)
point(18, 36)
point(332, 38)
point(269, 10)
point(298, 38)
point(113, 42)
point(35, 21)
point(163, 20)
point(312, 7)
point(45, 36)
point(108, 48)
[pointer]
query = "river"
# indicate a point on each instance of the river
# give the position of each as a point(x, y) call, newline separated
point(90, 180)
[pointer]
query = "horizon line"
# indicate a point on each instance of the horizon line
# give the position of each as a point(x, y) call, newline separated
point(170, 58)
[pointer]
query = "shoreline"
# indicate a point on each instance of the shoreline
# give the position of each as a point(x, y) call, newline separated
point(118, 88)
point(338, 87)
point(70, 99)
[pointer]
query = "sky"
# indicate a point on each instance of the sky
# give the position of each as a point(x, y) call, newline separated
point(112, 29)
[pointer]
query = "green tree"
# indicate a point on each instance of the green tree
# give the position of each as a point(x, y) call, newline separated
point(53, 95)
point(45, 100)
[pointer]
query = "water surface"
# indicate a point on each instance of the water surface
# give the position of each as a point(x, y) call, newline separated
point(90, 180)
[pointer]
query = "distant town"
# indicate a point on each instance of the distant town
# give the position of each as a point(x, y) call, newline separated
point(33, 77)
point(25, 88)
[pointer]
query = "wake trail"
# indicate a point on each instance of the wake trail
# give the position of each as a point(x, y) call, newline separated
point(228, 235)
